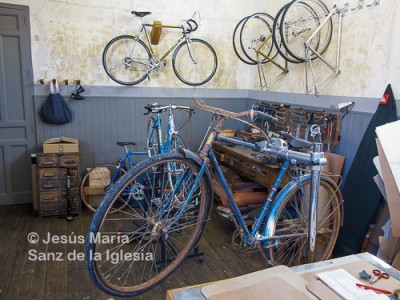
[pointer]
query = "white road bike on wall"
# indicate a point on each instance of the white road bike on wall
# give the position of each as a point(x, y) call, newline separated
point(128, 60)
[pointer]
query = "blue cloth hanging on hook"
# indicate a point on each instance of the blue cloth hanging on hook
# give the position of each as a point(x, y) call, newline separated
point(54, 110)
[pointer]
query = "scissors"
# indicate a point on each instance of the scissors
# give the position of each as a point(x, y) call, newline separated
point(378, 275)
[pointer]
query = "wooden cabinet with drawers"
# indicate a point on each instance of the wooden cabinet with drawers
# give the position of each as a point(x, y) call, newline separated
point(53, 173)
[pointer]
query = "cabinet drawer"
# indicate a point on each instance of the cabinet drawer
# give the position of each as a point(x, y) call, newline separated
point(69, 160)
point(49, 196)
point(46, 185)
point(48, 173)
point(47, 160)
point(49, 207)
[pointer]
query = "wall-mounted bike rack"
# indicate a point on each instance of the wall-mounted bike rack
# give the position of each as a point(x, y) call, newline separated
point(264, 85)
point(316, 87)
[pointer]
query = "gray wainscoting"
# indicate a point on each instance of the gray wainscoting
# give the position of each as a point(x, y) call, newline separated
point(111, 114)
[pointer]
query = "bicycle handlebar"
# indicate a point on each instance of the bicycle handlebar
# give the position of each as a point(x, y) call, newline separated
point(229, 114)
point(192, 24)
point(156, 108)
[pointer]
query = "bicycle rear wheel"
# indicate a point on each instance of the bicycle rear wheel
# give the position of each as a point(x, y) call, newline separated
point(151, 239)
point(288, 222)
point(96, 182)
point(256, 38)
point(300, 20)
point(194, 63)
point(125, 60)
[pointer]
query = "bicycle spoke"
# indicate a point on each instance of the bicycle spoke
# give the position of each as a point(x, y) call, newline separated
point(126, 59)
point(163, 226)
point(291, 226)
point(194, 62)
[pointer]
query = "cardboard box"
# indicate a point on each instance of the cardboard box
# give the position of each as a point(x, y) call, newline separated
point(100, 177)
point(95, 195)
point(61, 145)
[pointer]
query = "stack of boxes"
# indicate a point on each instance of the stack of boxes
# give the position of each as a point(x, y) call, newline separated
point(58, 165)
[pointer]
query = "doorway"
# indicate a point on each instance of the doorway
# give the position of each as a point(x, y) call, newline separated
point(17, 129)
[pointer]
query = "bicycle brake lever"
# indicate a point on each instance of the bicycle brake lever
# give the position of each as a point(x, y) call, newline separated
point(148, 110)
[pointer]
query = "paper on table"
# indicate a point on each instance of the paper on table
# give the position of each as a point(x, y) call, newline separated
point(344, 284)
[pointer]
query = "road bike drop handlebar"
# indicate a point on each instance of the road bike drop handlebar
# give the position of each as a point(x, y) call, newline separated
point(156, 108)
point(188, 26)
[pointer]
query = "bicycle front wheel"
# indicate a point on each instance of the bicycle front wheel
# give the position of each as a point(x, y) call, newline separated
point(194, 62)
point(288, 223)
point(135, 249)
point(96, 182)
point(125, 60)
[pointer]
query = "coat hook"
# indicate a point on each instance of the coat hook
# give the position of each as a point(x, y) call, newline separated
point(41, 81)
point(54, 81)
point(375, 3)
point(66, 81)
point(359, 6)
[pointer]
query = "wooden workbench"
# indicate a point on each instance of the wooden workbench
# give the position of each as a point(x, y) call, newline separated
point(248, 163)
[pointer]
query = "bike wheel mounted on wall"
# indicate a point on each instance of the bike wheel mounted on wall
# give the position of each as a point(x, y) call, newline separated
point(256, 38)
point(236, 43)
point(195, 62)
point(299, 21)
point(125, 60)
point(157, 234)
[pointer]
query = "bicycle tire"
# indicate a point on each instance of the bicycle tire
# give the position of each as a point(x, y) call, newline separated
point(289, 215)
point(100, 182)
point(276, 37)
point(301, 18)
point(166, 227)
point(204, 67)
point(236, 40)
point(131, 69)
point(152, 138)
point(256, 36)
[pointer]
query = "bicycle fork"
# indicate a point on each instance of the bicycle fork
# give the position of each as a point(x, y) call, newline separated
point(316, 156)
point(188, 41)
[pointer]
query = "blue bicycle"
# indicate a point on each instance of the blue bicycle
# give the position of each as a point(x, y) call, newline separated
point(298, 223)
point(98, 180)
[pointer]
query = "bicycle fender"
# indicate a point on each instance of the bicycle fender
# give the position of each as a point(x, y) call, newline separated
point(273, 211)
point(189, 154)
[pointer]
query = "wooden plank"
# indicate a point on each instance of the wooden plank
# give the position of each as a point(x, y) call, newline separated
point(68, 279)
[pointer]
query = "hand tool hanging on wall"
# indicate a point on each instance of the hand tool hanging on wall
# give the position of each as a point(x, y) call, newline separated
point(78, 90)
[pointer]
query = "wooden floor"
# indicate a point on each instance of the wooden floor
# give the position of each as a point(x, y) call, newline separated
point(23, 278)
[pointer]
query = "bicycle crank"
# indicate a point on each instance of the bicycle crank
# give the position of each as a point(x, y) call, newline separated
point(155, 65)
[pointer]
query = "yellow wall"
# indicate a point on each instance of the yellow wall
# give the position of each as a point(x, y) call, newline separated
point(68, 37)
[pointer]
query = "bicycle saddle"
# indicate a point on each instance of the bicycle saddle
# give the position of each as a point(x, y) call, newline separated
point(295, 141)
point(125, 143)
point(140, 14)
